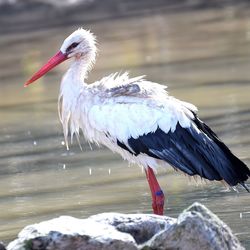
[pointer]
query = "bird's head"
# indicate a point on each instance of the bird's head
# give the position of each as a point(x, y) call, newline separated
point(81, 45)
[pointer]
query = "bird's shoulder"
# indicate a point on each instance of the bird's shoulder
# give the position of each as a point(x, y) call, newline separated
point(121, 89)
point(118, 85)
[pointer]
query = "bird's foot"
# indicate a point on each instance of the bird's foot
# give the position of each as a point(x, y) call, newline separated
point(158, 203)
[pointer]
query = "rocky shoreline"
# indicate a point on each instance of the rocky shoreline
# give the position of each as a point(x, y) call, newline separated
point(195, 228)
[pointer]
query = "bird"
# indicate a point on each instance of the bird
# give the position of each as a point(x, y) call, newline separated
point(139, 120)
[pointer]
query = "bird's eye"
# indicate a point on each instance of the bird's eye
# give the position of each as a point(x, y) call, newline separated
point(72, 46)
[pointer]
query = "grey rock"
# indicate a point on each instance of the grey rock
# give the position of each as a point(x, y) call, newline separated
point(142, 227)
point(66, 233)
point(195, 228)
point(2, 246)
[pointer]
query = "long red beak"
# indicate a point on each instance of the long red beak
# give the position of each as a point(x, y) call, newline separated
point(58, 58)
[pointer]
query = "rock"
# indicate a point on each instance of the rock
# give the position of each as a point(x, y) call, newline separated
point(2, 247)
point(195, 228)
point(142, 227)
point(111, 231)
point(67, 232)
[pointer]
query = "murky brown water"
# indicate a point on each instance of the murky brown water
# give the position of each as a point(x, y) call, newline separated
point(204, 58)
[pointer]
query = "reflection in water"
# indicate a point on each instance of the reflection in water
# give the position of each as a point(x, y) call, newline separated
point(204, 58)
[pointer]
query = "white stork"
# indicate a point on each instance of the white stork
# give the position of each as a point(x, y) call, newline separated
point(139, 120)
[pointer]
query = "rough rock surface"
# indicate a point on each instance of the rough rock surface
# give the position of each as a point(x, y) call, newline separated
point(195, 228)
point(2, 247)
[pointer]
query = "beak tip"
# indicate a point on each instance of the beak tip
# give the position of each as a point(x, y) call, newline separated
point(26, 84)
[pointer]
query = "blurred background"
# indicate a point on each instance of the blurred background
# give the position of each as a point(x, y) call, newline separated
point(199, 48)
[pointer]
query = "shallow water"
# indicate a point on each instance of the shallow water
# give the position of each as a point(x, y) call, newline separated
point(203, 56)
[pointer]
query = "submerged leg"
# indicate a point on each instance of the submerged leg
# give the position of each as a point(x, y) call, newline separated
point(157, 194)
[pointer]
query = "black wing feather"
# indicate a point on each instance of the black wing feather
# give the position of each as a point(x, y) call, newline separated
point(195, 150)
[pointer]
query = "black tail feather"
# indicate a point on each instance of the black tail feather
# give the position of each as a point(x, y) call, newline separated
point(244, 185)
point(236, 168)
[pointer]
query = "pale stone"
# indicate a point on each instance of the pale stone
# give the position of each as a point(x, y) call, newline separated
point(196, 228)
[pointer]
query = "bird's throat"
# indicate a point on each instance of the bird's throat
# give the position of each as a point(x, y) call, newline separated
point(79, 69)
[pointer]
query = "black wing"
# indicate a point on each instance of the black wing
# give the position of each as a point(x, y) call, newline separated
point(195, 150)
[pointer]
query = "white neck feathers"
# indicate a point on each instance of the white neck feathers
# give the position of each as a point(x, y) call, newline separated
point(70, 98)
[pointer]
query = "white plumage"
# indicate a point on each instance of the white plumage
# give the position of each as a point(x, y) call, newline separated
point(129, 108)
point(139, 120)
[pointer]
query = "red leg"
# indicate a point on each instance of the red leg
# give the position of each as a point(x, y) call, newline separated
point(157, 194)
